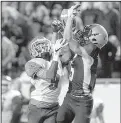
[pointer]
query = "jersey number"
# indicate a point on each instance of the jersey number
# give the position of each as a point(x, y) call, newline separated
point(71, 74)
point(54, 84)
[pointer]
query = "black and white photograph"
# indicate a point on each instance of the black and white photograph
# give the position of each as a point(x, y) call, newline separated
point(60, 61)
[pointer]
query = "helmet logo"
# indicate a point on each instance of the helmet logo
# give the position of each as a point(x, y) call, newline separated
point(39, 46)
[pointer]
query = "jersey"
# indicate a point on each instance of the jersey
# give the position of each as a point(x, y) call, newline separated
point(82, 75)
point(45, 91)
point(64, 82)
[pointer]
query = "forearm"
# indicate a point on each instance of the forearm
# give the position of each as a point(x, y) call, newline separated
point(68, 36)
point(74, 45)
point(57, 28)
point(68, 29)
point(50, 73)
point(54, 37)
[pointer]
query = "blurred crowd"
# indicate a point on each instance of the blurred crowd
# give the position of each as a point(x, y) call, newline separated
point(21, 21)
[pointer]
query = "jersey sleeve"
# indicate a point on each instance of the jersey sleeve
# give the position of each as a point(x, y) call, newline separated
point(39, 69)
point(50, 73)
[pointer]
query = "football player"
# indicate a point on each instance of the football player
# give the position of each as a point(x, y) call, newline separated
point(43, 69)
point(81, 57)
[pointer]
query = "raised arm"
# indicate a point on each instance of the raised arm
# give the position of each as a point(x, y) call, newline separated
point(50, 73)
point(68, 35)
point(57, 28)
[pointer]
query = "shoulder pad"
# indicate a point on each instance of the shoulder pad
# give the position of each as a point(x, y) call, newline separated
point(31, 68)
point(40, 62)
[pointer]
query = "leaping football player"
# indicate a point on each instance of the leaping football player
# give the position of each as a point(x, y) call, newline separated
point(81, 54)
point(42, 69)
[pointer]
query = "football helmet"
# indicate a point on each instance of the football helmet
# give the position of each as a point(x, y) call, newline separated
point(39, 46)
point(94, 33)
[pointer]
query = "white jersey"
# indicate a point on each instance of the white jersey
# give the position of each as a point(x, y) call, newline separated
point(43, 91)
point(64, 81)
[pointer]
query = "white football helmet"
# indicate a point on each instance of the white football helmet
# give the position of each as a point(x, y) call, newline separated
point(97, 34)
point(38, 46)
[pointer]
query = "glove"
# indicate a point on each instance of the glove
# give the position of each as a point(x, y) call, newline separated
point(73, 10)
point(64, 16)
point(59, 44)
point(57, 26)
point(57, 47)
point(69, 12)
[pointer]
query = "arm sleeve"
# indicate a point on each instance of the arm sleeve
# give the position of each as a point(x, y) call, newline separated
point(74, 45)
point(50, 73)
point(79, 50)
point(36, 71)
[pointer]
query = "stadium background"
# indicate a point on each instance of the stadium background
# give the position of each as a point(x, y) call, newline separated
point(21, 21)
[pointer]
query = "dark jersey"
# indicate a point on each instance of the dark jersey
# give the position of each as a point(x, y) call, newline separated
point(82, 75)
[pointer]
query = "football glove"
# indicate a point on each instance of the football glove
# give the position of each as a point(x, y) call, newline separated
point(57, 26)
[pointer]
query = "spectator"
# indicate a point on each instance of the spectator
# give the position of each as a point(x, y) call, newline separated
point(8, 53)
point(111, 19)
point(40, 12)
point(111, 23)
point(116, 5)
point(11, 102)
point(29, 8)
point(107, 55)
point(56, 11)
point(90, 14)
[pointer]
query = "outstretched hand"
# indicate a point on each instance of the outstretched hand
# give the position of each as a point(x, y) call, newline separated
point(73, 10)
point(59, 44)
point(57, 26)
